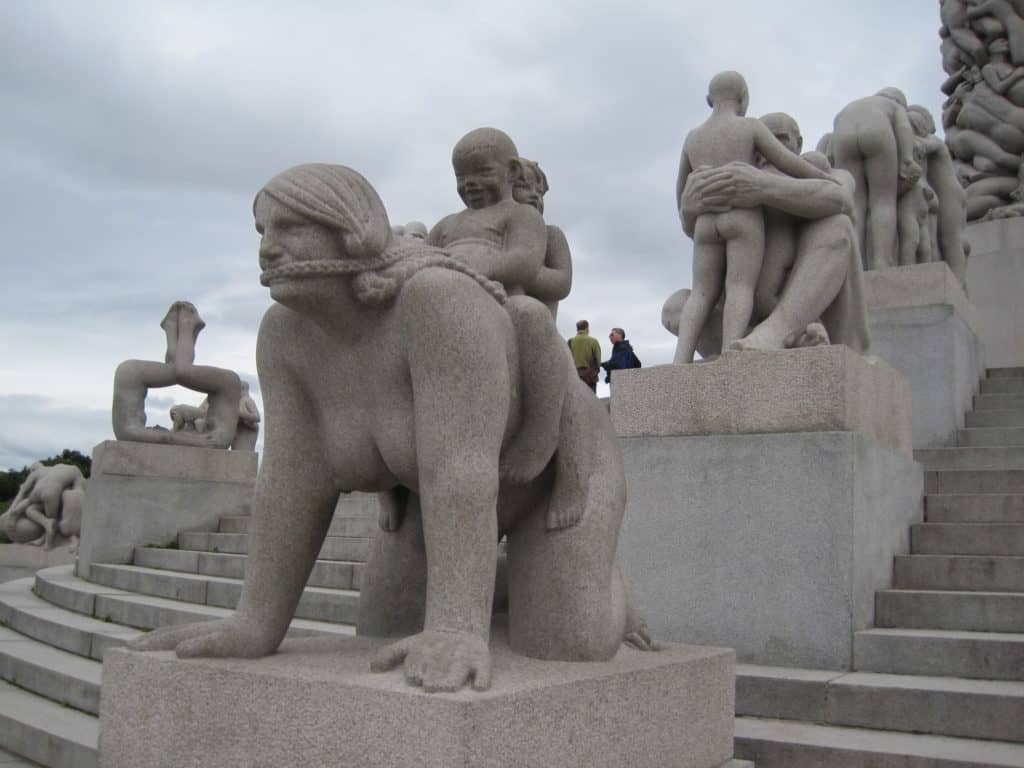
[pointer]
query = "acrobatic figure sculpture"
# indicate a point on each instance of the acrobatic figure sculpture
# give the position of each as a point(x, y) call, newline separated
point(386, 365)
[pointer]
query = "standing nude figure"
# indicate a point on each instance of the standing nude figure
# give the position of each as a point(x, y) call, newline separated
point(729, 244)
point(873, 140)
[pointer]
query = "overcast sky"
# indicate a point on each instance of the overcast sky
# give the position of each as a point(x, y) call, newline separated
point(134, 135)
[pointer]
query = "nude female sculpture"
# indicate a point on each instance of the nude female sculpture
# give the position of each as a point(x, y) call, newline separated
point(386, 365)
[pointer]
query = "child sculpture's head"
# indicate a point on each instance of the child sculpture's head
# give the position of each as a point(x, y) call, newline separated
point(486, 164)
point(531, 186)
point(729, 88)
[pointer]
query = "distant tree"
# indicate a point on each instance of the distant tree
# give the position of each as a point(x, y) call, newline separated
point(11, 480)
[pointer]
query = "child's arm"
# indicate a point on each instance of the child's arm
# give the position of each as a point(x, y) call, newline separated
point(526, 242)
point(684, 172)
point(776, 153)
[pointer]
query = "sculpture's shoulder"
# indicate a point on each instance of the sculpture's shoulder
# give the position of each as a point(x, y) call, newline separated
point(282, 333)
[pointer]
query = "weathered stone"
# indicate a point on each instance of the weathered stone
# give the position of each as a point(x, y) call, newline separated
point(817, 389)
point(314, 703)
point(995, 272)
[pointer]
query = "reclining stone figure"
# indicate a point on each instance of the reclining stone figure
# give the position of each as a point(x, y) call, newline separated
point(387, 365)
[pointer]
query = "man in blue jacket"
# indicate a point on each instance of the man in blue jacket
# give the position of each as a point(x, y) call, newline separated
point(622, 355)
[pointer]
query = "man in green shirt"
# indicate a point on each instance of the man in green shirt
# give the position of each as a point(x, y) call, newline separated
point(586, 354)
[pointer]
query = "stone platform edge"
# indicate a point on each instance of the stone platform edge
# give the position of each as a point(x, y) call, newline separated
point(816, 389)
point(315, 703)
point(918, 285)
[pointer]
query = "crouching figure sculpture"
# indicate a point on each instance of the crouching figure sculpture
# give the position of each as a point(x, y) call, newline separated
point(388, 366)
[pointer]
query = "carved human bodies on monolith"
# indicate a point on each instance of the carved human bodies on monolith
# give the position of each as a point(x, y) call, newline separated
point(728, 245)
point(193, 418)
point(983, 55)
point(134, 378)
point(810, 281)
point(427, 411)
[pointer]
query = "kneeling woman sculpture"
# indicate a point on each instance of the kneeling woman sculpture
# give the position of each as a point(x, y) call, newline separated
point(388, 366)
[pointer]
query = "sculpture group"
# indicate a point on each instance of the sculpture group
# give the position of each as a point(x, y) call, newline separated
point(47, 507)
point(440, 416)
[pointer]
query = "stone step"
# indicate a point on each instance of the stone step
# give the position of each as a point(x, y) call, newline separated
point(32, 616)
point(971, 573)
point(1001, 457)
point(789, 744)
point(974, 481)
point(1002, 385)
point(940, 653)
point(319, 604)
point(333, 574)
point(1013, 372)
point(944, 609)
point(942, 706)
point(990, 436)
point(10, 760)
point(995, 539)
point(1005, 402)
point(1002, 418)
point(360, 527)
point(46, 732)
point(65, 678)
point(118, 612)
point(974, 508)
point(349, 549)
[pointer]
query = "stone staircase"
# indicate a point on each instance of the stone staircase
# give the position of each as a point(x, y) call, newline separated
point(939, 680)
point(56, 626)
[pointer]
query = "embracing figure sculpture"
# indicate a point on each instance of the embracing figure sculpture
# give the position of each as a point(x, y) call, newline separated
point(387, 365)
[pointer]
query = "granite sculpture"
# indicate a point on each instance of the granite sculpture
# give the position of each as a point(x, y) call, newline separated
point(553, 280)
point(874, 141)
point(809, 288)
point(193, 418)
point(429, 415)
point(728, 245)
point(48, 506)
point(134, 378)
point(983, 56)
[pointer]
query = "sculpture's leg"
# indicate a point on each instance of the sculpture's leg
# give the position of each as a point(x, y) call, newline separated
point(849, 158)
point(132, 381)
point(909, 227)
point(542, 361)
point(881, 169)
point(744, 255)
point(708, 278)
point(566, 598)
point(392, 597)
point(814, 282)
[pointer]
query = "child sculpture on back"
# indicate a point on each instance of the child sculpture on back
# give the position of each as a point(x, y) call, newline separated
point(730, 241)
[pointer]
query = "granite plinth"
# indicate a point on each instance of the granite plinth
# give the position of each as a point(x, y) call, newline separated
point(773, 544)
point(817, 389)
point(995, 272)
point(923, 324)
point(142, 494)
point(315, 703)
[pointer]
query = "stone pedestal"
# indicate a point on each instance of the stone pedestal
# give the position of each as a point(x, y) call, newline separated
point(995, 274)
point(142, 494)
point(820, 389)
point(924, 326)
point(315, 703)
point(770, 541)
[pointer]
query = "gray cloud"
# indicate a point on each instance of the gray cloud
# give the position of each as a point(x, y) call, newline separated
point(136, 134)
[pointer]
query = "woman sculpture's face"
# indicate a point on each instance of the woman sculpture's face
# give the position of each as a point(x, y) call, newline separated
point(288, 238)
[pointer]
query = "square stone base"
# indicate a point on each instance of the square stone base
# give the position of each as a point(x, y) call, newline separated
point(142, 494)
point(923, 325)
point(995, 273)
point(818, 389)
point(772, 544)
point(315, 703)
